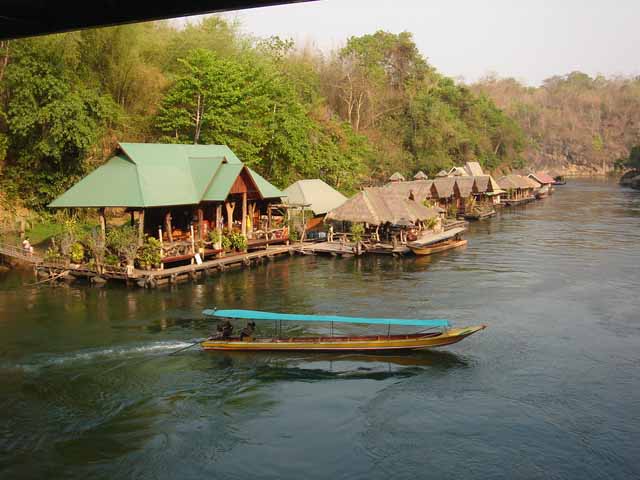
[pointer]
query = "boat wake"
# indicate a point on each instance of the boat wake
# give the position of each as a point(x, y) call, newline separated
point(43, 360)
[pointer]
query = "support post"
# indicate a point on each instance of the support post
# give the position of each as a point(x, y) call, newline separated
point(103, 226)
point(268, 220)
point(219, 219)
point(161, 248)
point(193, 243)
point(167, 223)
point(132, 220)
point(230, 208)
point(201, 224)
point(141, 227)
point(244, 214)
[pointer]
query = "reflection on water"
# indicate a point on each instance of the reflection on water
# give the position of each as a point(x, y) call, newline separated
point(548, 390)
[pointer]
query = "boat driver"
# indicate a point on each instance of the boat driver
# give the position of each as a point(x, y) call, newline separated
point(247, 332)
point(224, 329)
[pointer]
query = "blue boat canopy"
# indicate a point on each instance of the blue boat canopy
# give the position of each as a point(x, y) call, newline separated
point(257, 315)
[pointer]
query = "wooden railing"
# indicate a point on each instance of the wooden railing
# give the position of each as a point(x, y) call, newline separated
point(18, 253)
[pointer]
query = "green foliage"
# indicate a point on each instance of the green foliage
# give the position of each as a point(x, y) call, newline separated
point(97, 247)
point(215, 236)
point(123, 242)
point(149, 253)
point(52, 120)
point(76, 253)
point(431, 223)
point(237, 241)
point(52, 254)
point(357, 231)
point(226, 240)
point(112, 260)
point(633, 161)
point(352, 118)
point(452, 211)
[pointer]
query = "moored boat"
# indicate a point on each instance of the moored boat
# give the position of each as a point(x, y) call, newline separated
point(444, 335)
point(438, 247)
point(440, 242)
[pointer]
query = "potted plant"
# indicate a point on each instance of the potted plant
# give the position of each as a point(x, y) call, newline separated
point(149, 254)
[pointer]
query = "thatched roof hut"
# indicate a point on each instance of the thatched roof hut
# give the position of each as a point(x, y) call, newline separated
point(378, 206)
point(441, 173)
point(396, 177)
point(465, 186)
point(420, 176)
point(473, 169)
point(508, 183)
point(417, 188)
point(443, 187)
point(457, 172)
point(486, 184)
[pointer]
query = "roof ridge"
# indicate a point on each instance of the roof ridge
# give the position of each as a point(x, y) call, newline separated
point(138, 182)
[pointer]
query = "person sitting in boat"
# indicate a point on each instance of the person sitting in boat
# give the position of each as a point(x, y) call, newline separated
point(224, 329)
point(247, 332)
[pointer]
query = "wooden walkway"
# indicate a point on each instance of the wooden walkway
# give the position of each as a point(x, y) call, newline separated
point(331, 248)
point(18, 253)
point(153, 278)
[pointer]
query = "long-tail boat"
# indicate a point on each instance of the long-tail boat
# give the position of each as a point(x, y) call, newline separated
point(439, 242)
point(434, 333)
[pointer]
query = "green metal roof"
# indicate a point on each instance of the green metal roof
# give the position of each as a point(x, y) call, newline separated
point(153, 175)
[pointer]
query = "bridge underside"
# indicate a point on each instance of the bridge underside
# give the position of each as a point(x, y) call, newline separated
point(24, 18)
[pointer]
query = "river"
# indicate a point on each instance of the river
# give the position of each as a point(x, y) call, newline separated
point(551, 389)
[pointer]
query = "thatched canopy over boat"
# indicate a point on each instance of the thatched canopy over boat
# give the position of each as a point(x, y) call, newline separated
point(379, 206)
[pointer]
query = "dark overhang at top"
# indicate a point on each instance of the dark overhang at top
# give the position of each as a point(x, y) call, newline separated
point(25, 18)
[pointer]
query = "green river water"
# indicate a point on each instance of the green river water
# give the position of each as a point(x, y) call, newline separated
point(551, 389)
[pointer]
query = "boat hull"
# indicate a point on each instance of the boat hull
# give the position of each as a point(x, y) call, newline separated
point(351, 344)
point(429, 250)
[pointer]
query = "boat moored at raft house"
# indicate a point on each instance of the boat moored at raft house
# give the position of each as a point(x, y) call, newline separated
point(545, 183)
point(180, 194)
point(518, 189)
point(389, 220)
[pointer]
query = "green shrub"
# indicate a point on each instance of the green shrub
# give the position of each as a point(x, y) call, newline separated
point(123, 243)
point(215, 236)
point(226, 242)
point(53, 255)
point(293, 235)
point(112, 260)
point(149, 253)
point(76, 253)
point(431, 223)
point(357, 231)
point(238, 241)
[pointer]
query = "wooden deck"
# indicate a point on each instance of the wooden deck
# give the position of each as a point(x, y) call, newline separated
point(331, 248)
point(18, 253)
point(153, 278)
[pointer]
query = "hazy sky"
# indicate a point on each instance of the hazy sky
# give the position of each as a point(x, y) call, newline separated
point(530, 40)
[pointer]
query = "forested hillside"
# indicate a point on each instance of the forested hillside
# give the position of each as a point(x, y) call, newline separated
point(351, 117)
point(574, 123)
